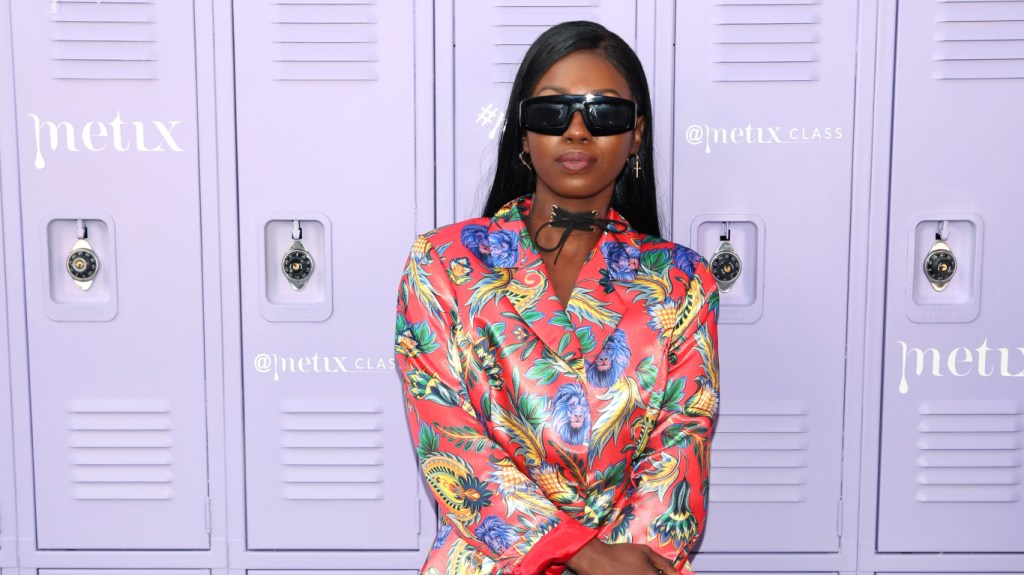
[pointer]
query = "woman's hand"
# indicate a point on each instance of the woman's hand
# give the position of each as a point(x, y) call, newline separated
point(600, 558)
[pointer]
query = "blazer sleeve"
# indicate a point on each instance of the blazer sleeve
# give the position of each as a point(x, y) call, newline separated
point(668, 507)
point(489, 502)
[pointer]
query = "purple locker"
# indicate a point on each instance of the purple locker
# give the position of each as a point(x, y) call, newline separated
point(490, 39)
point(343, 572)
point(91, 571)
point(763, 147)
point(952, 425)
point(105, 99)
point(8, 538)
point(327, 184)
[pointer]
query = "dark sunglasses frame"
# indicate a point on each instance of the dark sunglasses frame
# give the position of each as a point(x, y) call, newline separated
point(589, 105)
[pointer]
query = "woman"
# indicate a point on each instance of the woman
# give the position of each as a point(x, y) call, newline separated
point(559, 358)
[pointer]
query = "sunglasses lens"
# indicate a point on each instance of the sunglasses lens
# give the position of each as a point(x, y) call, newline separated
point(546, 117)
point(610, 118)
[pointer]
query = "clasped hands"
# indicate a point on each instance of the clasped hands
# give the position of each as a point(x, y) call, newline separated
point(600, 558)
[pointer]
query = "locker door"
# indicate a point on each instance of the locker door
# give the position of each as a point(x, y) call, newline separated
point(763, 148)
point(7, 495)
point(952, 395)
point(326, 156)
point(491, 38)
point(105, 96)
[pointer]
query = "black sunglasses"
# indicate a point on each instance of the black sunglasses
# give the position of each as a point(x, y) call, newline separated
point(551, 115)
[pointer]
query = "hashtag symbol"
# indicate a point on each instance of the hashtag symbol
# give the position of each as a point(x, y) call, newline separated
point(487, 115)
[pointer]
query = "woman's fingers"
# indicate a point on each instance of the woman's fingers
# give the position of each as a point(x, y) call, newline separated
point(660, 563)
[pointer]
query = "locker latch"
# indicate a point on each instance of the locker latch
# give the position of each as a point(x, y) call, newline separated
point(82, 263)
point(940, 263)
point(297, 263)
point(725, 263)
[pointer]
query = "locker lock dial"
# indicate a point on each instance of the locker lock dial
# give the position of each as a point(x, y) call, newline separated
point(82, 263)
point(725, 263)
point(297, 263)
point(939, 265)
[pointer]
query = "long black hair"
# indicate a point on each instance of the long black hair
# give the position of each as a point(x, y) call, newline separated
point(633, 197)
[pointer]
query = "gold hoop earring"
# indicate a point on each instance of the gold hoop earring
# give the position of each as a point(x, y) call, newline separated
point(528, 165)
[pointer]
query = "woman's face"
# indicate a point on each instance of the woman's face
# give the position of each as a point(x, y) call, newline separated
point(576, 164)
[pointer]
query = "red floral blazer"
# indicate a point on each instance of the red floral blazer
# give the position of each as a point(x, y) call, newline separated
point(538, 427)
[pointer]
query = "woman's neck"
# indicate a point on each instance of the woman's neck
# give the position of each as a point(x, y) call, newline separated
point(579, 243)
point(540, 208)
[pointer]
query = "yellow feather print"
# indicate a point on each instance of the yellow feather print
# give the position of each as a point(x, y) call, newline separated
point(464, 559)
point(642, 429)
point(586, 307)
point(421, 285)
point(663, 473)
point(655, 286)
point(706, 348)
point(623, 397)
point(489, 287)
point(530, 447)
point(456, 361)
point(692, 302)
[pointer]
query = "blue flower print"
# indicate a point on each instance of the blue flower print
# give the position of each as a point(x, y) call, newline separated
point(474, 237)
point(623, 260)
point(684, 258)
point(442, 535)
point(497, 534)
point(497, 249)
point(504, 248)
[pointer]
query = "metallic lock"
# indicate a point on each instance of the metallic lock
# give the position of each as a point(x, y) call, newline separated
point(82, 264)
point(939, 265)
point(297, 265)
point(725, 266)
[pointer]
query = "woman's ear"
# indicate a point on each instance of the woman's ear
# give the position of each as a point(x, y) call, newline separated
point(526, 144)
point(638, 134)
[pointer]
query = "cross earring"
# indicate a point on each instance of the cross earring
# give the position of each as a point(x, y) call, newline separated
point(636, 165)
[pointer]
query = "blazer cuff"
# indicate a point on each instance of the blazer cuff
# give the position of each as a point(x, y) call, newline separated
point(549, 554)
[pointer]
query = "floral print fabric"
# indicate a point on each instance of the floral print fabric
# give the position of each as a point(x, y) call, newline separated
point(539, 427)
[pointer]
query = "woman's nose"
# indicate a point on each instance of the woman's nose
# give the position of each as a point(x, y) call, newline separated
point(577, 129)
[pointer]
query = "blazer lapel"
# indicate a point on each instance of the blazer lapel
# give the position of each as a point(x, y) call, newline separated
point(531, 294)
point(600, 303)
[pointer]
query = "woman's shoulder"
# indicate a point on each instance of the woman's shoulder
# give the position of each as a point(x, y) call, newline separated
point(652, 243)
point(454, 233)
point(657, 253)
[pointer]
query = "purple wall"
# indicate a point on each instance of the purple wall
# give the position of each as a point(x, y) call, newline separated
point(191, 410)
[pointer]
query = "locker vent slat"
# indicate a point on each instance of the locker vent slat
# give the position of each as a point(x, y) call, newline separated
point(761, 454)
point(517, 23)
point(120, 449)
point(109, 40)
point(979, 40)
point(969, 451)
point(332, 450)
point(325, 40)
point(766, 41)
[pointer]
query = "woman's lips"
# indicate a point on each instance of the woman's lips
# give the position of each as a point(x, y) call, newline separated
point(575, 161)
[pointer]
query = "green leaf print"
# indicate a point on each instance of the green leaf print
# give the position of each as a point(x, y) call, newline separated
point(656, 260)
point(586, 336)
point(647, 373)
point(427, 443)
